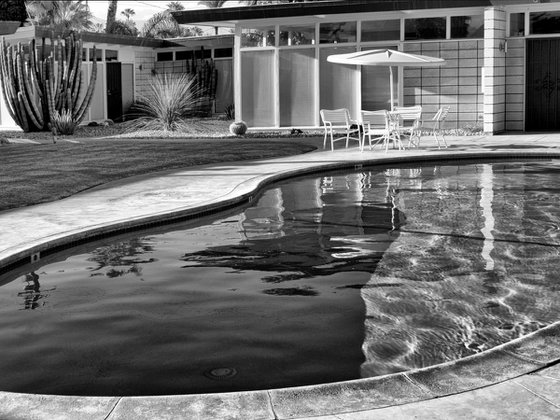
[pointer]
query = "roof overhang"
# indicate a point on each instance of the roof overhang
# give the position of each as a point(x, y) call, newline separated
point(230, 16)
point(26, 33)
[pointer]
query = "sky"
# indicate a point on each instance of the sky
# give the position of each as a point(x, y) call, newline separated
point(143, 9)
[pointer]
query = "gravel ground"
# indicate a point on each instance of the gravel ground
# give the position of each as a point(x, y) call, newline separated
point(198, 128)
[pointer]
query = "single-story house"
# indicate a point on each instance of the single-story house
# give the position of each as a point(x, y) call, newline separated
point(126, 64)
point(503, 59)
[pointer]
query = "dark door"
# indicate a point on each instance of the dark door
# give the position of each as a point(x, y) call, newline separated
point(114, 91)
point(542, 105)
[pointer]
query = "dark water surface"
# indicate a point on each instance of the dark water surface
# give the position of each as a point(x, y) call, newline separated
point(326, 278)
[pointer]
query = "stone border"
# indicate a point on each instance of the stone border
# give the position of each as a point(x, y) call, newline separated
point(525, 355)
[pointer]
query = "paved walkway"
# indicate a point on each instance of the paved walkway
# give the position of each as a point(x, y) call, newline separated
point(517, 380)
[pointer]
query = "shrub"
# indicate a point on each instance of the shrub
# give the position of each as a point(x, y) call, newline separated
point(230, 112)
point(171, 99)
point(238, 128)
point(63, 123)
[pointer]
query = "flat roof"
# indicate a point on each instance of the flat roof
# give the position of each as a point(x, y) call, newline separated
point(229, 16)
point(26, 33)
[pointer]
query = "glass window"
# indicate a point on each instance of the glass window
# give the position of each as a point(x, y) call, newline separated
point(544, 22)
point(202, 53)
point(111, 55)
point(258, 37)
point(381, 30)
point(184, 55)
point(467, 26)
point(376, 89)
point(223, 52)
point(425, 28)
point(297, 92)
point(297, 35)
point(224, 88)
point(335, 33)
point(165, 56)
point(337, 82)
point(98, 54)
point(84, 53)
point(48, 50)
point(257, 93)
point(517, 24)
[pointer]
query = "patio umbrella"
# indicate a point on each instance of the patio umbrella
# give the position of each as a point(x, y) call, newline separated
point(386, 57)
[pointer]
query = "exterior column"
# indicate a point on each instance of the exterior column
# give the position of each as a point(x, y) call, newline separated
point(494, 82)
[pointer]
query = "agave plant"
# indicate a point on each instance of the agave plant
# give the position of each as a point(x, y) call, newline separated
point(170, 99)
point(63, 123)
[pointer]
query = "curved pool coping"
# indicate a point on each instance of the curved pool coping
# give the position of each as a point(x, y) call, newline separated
point(525, 355)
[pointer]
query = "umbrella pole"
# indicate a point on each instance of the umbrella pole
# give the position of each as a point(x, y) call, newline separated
point(391, 87)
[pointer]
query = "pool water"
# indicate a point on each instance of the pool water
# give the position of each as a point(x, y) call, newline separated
point(326, 278)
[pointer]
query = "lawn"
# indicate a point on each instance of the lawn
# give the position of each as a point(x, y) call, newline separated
point(36, 173)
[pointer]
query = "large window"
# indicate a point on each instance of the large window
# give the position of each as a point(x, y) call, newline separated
point(517, 24)
point(258, 37)
point(467, 26)
point(165, 56)
point(111, 55)
point(337, 82)
point(338, 32)
point(98, 54)
point(297, 35)
point(257, 70)
point(381, 30)
point(545, 22)
point(425, 28)
point(297, 87)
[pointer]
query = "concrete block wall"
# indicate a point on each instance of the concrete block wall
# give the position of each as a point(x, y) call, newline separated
point(494, 70)
point(515, 84)
point(144, 65)
point(455, 85)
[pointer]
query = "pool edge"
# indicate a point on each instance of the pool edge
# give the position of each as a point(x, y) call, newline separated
point(527, 355)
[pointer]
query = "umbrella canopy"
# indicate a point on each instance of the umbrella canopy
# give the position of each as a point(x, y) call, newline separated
point(388, 58)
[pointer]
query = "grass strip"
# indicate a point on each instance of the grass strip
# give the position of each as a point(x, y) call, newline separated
point(38, 173)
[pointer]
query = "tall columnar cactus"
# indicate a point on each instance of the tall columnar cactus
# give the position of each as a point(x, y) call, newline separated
point(38, 87)
point(206, 74)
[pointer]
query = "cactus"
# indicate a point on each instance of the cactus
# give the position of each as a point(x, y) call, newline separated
point(37, 89)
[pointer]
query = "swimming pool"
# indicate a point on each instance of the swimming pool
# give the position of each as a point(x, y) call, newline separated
point(326, 278)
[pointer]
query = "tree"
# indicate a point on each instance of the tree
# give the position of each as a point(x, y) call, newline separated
point(62, 16)
point(175, 6)
point(164, 25)
point(213, 4)
point(13, 10)
point(111, 16)
point(124, 27)
point(128, 13)
point(98, 27)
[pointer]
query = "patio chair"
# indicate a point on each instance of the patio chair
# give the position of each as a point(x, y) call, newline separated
point(377, 127)
point(339, 120)
point(436, 124)
point(409, 123)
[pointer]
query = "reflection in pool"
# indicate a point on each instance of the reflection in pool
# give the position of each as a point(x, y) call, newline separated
point(326, 278)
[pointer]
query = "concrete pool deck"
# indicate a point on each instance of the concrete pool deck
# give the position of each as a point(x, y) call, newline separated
point(520, 379)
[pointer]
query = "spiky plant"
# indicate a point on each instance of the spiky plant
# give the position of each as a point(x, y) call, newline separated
point(62, 123)
point(170, 99)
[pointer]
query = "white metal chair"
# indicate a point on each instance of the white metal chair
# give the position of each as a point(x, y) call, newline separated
point(377, 127)
point(436, 125)
point(409, 123)
point(339, 120)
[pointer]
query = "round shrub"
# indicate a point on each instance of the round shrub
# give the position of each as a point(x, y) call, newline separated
point(238, 128)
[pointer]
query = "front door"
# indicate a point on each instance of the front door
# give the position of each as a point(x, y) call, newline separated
point(542, 105)
point(114, 91)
